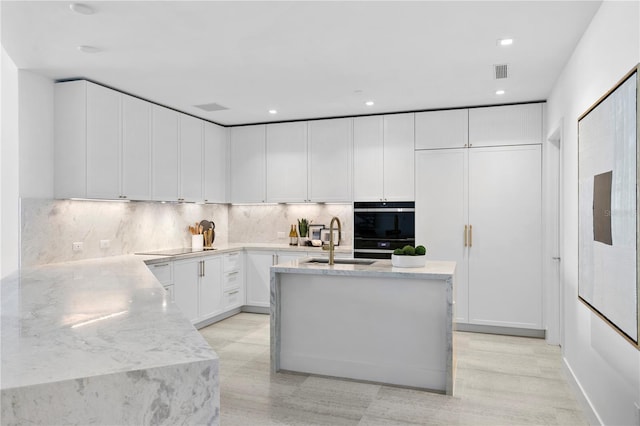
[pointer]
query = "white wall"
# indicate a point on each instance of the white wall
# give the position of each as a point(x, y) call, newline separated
point(10, 202)
point(605, 365)
point(36, 135)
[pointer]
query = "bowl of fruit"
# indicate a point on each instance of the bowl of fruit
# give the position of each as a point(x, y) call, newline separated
point(409, 257)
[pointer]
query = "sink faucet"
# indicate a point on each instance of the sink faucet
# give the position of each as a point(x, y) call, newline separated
point(331, 243)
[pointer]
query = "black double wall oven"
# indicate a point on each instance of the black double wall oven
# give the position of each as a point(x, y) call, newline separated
point(381, 227)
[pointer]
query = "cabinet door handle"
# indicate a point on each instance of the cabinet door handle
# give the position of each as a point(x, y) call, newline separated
point(470, 235)
point(232, 273)
point(233, 292)
point(203, 270)
point(465, 236)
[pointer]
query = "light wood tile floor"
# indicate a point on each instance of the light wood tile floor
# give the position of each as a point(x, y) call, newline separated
point(500, 380)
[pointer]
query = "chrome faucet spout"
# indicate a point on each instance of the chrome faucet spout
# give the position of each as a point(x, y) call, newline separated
point(331, 242)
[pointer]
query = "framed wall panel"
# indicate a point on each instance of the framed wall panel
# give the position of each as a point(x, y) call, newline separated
point(608, 197)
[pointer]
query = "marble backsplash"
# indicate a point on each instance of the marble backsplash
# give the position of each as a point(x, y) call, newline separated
point(50, 227)
point(261, 223)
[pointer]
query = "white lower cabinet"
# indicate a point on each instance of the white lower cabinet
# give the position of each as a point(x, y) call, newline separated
point(210, 300)
point(198, 287)
point(185, 287)
point(258, 277)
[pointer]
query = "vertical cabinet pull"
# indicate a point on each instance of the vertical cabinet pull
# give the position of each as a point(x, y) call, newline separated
point(465, 235)
point(470, 235)
point(203, 270)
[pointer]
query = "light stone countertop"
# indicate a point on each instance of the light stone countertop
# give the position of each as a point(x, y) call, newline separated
point(86, 318)
point(89, 318)
point(229, 248)
point(433, 270)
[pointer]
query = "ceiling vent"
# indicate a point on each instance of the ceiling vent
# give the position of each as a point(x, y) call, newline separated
point(211, 107)
point(501, 71)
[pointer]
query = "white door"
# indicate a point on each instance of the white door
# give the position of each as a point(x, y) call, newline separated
point(330, 154)
point(505, 283)
point(215, 163)
point(186, 276)
point(258, 278)
point(136, 148)
point(398, 157)
point(441, 214)
point(247, 149)
point(165, 154)
point(286, 157)
point(190, 158)
point(368, 154)
point(210, 298)
point(103, 142)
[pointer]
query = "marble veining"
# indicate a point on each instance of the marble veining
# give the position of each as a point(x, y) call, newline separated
point(301, 290)
point(49, 227)
point(260, 224)
point(438, 270)
point(97, 330)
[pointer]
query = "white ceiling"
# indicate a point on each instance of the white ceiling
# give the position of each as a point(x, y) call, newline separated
point(305, 59)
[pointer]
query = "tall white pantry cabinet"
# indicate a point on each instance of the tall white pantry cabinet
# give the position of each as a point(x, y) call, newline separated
point(478, 202)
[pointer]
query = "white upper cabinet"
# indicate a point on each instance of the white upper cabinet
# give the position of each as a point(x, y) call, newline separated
point(286, 156)
point(442, 129)
point(103, 142)
point(70, 130)
point(216, 157)
point(111, 145)
point(505, 125)
point(136, 148)
point(368, 163)
point(330, 160)
point(398, 157)
point(165, 154)
point(190, 158)
point(383, 158)
point(247, 147)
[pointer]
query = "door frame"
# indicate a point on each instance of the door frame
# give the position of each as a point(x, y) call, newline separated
point(553, 248)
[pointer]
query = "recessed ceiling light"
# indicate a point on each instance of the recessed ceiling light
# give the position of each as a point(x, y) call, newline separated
point(81, 9)
point(273, 111)
point(505, 41)
point(88, 49)
point(499, 92)
point(369, 103)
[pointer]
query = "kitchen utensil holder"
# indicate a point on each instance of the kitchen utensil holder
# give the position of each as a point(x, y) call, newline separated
point(197, 242)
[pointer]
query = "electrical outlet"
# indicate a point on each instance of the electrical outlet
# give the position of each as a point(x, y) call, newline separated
point(105, 244)
point(281, 235)
point(77, 246)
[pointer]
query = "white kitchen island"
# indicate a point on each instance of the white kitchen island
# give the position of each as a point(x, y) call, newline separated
point(372, 322)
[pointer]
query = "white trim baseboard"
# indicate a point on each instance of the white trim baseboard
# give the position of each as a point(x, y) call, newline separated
point(584, 401)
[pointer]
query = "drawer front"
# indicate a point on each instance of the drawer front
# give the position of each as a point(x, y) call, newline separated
point(233, 298)
point(163, 272)
point(232, 279)
point(232, 261)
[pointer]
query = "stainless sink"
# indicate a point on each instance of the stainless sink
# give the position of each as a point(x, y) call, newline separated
point(342, 261)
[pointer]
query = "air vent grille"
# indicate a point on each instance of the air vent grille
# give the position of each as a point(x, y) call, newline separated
point(501, 71)
point(211, 107)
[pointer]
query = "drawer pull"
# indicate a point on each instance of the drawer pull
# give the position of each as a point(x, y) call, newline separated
point(232, 273)
point(158, 265)
point(233, 292)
